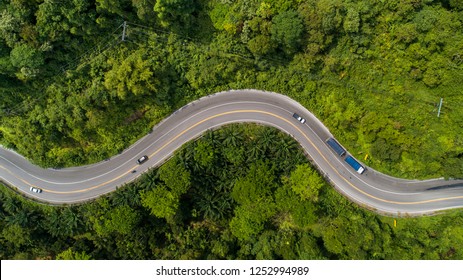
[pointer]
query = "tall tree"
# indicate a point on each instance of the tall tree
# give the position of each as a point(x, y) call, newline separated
point(287, 30)
point(176, 13)
point(161, 202)
point(120, 219)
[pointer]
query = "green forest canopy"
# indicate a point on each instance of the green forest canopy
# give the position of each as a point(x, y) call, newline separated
point(245, 202)
point(72, 92)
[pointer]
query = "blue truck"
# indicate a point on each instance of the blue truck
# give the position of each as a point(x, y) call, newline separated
point(336, 147)
point(355, 164)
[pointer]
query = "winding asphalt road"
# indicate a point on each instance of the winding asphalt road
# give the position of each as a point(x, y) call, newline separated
point(373, 190)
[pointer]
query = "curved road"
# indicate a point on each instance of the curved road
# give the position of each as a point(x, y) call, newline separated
point(373, 190)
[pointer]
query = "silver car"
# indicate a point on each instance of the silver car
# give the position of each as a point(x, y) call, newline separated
point(142, 159)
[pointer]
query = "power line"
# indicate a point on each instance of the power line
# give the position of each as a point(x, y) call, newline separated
point(109, 37)
point(107, 42)
point(249, 58)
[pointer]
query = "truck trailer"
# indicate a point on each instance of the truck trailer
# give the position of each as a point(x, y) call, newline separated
point(336, 147)
point(355, 164)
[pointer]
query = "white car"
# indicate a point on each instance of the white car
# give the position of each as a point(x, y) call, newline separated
point(299, 118)
point(36, 190)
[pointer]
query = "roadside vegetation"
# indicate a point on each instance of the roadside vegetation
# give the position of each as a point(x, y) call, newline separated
point(76, 89)
point(242, 192)
point(73, 92)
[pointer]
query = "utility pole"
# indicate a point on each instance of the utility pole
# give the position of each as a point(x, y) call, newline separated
point(124, 26)
point(440, 106)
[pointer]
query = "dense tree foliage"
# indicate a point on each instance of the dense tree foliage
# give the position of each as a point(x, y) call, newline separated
point(287, 30)
point(250, 208)
point(73, 92)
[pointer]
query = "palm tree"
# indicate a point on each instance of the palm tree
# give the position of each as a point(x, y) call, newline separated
point(23, 217)
point(225, 183)
point(129, 195)
point(231, 136)
point(215, 206)
point(149, 180)
point(212, 137)
point(10, 204)
point(298, 157)
point(266, 139)
point(186, 154)
point(254, 152)
point(71, 221)
point(52, 223)
point(285, 147)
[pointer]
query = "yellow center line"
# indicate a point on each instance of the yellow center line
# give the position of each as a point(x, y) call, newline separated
point(90, 188)
point(248, 111)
